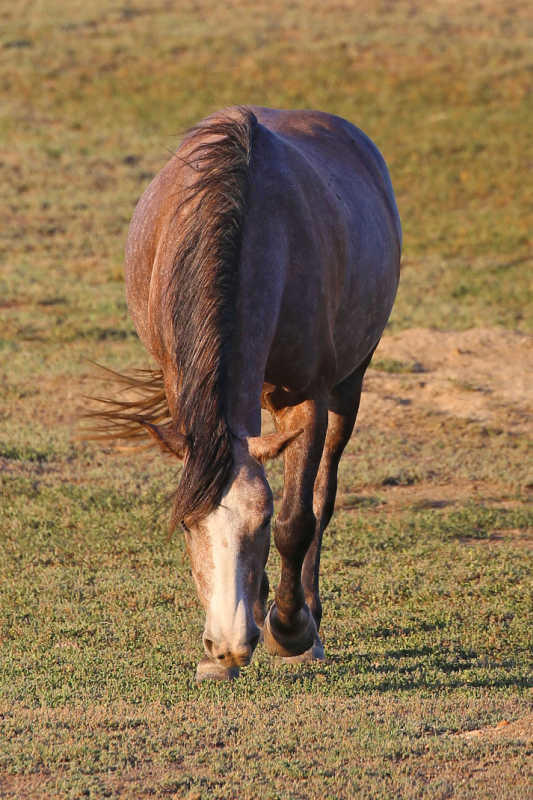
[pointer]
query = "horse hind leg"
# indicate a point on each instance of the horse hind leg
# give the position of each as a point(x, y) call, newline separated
point(343, 408)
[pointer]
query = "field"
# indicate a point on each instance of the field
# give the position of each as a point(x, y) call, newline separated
point(426, 687)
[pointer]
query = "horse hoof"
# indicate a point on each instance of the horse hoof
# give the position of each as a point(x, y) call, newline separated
point(315, 653)
point(289, 642)
point(208, 670)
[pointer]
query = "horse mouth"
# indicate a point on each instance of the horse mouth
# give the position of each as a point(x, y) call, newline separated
point(234, 660)
point(226, 657)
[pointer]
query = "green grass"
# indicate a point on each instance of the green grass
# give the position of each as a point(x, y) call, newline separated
point(107, 615)
point(426, 629)
point(426, 566)
point(380, 748)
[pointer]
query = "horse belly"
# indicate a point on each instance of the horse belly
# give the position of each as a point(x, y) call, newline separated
point(300, 358)
point(365, 307)
point(326, 329)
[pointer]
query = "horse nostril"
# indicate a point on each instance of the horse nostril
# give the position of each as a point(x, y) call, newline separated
point(214, 650)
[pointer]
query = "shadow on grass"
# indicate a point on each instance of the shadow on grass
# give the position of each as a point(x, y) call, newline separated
point(347, 678)
point(428, 668)
point(407, 679)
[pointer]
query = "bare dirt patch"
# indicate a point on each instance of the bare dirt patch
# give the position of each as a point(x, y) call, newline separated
point(445, 419)
point(423, 496)
point(481, 375)
point(38, 785)
point(517, 729)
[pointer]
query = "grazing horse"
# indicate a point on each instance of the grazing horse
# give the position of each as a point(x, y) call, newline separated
point(262, 263)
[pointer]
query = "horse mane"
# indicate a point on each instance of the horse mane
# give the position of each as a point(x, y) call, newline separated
point(201, 297)
point(199, 301)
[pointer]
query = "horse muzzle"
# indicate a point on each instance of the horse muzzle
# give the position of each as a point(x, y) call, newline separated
point(227, 654)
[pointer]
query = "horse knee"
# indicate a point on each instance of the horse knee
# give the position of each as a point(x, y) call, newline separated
point(293, 534)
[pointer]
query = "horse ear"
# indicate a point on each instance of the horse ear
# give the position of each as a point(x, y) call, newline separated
point(167, 437)
point(270, 446)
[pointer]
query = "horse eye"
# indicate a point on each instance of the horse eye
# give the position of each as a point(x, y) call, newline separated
point(185, 528)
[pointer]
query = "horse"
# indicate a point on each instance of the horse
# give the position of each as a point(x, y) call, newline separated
point(262, 263)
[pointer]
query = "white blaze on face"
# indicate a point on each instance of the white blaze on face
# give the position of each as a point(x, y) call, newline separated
point(228, 552)
point(226, 623)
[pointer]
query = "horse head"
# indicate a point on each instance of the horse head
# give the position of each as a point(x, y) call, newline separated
point(228, 550)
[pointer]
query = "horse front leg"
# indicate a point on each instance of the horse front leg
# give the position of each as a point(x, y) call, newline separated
point(343, 408)
point(290, 628)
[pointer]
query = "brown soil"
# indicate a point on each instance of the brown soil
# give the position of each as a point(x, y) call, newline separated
point(518, 729)
point(467, 383)
point(481, 375)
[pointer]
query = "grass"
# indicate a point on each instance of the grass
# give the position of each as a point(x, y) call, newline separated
point(426, 629)
point(426, 566)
